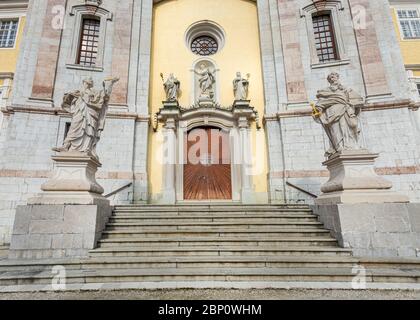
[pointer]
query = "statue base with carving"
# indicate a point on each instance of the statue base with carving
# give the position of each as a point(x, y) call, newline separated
point(363, 213)
point(67, 219)
point(353, 179)
point(73, 181)
point(206, 102)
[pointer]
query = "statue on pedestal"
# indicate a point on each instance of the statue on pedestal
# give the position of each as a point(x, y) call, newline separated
point(240, 87)
point(172, 88)
point(206, 81)
point(338, 110)
point(88, 108)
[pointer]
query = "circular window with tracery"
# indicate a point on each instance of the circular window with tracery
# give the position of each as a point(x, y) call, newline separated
point(205, 38)
point(204, 46)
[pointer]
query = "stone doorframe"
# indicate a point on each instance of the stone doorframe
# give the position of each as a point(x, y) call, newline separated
point(177, 122)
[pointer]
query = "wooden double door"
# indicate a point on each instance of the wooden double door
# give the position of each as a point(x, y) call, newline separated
point(207, 171)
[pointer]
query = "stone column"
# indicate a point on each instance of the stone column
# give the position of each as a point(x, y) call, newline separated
point(373, 68)
point(248, 195)
point(294, 71)
point(169, 115)
point(169, 158)
point(45, 74)
point(244, 113)
point(121, 51)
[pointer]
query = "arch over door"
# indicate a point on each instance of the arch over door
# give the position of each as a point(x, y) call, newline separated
point(207, 173)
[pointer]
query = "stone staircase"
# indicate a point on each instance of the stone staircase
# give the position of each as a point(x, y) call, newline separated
point(207, 243)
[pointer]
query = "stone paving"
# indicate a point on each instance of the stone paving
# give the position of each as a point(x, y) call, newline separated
point(267, 294)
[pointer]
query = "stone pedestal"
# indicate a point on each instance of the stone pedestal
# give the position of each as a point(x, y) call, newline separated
point(73, 181)
point(206, 102)
point(353, 180)
point(386, 230)
point(363, 213)
point(65, 220)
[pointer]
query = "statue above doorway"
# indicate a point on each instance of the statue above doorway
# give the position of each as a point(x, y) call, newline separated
point(172, 88)
point(241, 87)
point(205, 82)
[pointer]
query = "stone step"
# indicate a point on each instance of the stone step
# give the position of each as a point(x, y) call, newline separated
point(194, 219)
point(243, 232)
point(218, 241)
point(210, 206)
point(192, 224)
point(210, 274)
point(244, 211)
point(181, 262)
point(395, 263)
point(210, 227)
point(169, 251)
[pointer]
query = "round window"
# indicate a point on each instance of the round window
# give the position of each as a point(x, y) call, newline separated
point(204, 46)
point(205, 38)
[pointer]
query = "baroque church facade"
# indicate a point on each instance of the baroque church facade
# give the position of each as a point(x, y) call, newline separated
point(281, 50)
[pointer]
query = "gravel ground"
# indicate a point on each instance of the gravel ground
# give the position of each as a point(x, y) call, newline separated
point(268, 294)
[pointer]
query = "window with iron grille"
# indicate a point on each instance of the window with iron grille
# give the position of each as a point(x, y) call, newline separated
point(8, 33)
point(324, 38)
point(89, 39)
point(410, 23)
point(204, 46)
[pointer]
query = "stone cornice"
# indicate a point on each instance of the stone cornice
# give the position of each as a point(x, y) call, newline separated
point(415, 67)
point(307, 112)
point(14, 4)
point(7, 75)
point(58, 111)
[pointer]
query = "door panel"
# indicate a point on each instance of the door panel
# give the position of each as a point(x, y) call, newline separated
point(207, 174)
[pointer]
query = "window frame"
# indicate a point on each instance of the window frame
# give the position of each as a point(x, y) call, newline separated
point(81, 12)
point(196, 50)
point(18, 19)
point(79, 49)
point(400, 20)
point(333, 35)
point(336, 11)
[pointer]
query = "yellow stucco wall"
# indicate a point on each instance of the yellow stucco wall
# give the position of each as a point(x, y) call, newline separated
point(8, 57)
point(410, 48)
point(239, 19)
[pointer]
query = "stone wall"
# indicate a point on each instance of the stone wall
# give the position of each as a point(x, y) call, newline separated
point(26, 162)
point(296, 143)
point(374, 230)
point(390, 133)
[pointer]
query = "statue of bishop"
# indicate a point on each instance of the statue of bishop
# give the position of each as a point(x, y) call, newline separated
point(240, 87)
point(172, 87)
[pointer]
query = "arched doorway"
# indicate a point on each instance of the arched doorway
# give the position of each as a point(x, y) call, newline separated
point(207, 168)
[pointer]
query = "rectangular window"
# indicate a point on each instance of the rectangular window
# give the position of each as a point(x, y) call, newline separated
point(89, 39)
point(324, 38)
point(410, 23)
point(8, 33)
point(418, 88)
point(66, 129)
